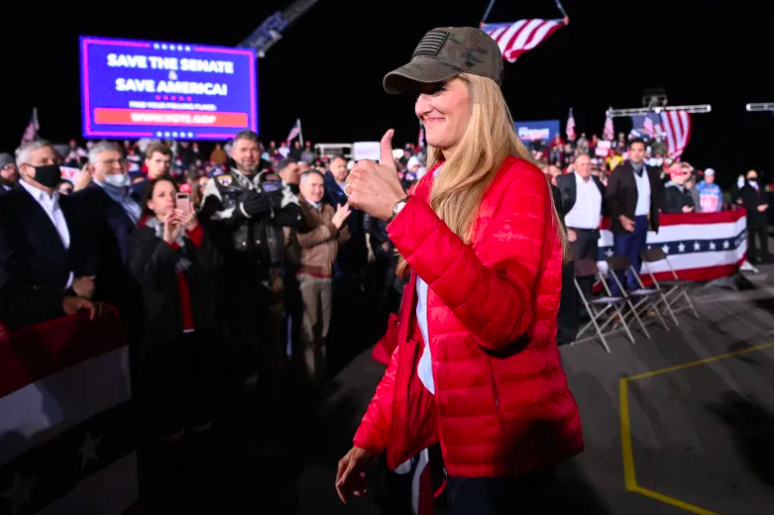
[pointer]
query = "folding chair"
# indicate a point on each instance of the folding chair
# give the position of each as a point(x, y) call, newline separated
point(599, 308)
point(675, 289)
point(645, 296)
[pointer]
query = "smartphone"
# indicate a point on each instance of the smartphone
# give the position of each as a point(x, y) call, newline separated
point(183, 202)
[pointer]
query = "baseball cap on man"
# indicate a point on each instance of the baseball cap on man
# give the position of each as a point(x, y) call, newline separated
point(445, 52)
point(710, 172)
point(6, 159)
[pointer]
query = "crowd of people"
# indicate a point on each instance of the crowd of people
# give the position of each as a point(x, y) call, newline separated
point(238, 262)
point(246, 252)
point(685, 189)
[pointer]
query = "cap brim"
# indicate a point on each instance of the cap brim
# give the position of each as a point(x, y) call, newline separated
point(421, 70)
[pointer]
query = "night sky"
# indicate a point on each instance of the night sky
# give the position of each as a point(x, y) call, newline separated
point(328, 68)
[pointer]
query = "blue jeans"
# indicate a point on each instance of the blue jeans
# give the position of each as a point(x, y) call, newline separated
point(630, 245)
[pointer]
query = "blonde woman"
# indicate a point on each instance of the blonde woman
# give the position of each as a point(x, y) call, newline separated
point(476, 366)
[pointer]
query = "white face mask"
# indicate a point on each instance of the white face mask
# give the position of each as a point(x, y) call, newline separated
point(119, 180)
point(740, 182)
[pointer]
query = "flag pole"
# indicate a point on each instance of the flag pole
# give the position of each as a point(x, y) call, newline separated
point(487, 13)
point(301, 135)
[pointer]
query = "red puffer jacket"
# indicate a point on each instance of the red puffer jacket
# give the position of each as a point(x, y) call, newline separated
point(502, 405)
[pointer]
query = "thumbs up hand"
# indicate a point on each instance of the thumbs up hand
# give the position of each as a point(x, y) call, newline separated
point(374, 187)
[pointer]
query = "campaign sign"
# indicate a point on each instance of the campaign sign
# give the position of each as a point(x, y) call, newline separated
point(537, 130)
point(146, 89)
point(367, 150)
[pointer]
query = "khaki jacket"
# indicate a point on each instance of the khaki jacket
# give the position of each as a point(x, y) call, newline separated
point(319, 239)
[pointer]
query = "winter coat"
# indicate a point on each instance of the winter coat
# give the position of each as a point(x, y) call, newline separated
point(502, 406)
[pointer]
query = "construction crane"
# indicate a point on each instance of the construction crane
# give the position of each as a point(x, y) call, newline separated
point(269, 32)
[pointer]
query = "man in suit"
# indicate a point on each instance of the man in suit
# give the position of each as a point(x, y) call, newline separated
point(582, 205)
point(633, 197)
point(755, 201)
point(114, 212)
point(48, 239)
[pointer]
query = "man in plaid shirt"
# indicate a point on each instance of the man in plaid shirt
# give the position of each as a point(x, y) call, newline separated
point(711, 198)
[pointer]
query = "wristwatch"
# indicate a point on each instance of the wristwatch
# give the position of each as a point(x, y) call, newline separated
point(397, 207)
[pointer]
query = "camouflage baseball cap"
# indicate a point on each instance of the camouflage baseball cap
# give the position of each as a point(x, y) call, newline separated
point(446, 52)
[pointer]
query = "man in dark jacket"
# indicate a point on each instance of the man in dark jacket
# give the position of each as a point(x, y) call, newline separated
point(245, 214)
point(755, 201)
point(678, 198)
point(21, 306)
point(633, 196)
point(567, 315)
point(582, 206)
point(114, 211)
point(48, 236)
point(352, 255)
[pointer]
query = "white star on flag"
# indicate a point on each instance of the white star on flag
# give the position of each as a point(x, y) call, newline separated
point(665, 249)
point(681, 247)
point(19, 492)
point(609, 253)
point(88, 450)
point(696, 246)
point(726, 244)
point(712, 246)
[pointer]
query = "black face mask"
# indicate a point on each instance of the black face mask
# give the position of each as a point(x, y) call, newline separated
point(48, 175)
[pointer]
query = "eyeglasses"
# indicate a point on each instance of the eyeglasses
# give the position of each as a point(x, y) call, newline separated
point(114, 162)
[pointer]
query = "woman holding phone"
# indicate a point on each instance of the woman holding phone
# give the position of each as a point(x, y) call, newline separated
point(174, 261)
point(476, 367)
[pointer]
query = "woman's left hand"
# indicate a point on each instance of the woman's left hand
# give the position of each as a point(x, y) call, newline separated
point(187, 219)
point(375, 188)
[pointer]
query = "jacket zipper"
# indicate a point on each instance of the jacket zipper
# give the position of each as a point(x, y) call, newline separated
point(495, 393)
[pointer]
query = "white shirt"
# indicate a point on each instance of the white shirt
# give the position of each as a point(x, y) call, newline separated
point(585, 213)
point(425, 366)
point(643, 207)
point(51, 206)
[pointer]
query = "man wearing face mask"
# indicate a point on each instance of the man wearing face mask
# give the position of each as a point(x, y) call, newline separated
point(48, 242)
point(114, 210)
point(754, 199)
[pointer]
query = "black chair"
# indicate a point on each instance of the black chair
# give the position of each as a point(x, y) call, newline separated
point(641, 301)
point(675, 291)
point(601, 322)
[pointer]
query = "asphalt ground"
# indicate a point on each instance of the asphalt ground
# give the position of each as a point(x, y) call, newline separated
point(678, 423)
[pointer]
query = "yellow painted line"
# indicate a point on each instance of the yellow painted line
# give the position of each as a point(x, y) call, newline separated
point(630, 481)
point(700, 362)
point(629, 464)
point(674, 502)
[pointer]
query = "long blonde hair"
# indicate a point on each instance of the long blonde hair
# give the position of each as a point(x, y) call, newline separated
point(488, 140)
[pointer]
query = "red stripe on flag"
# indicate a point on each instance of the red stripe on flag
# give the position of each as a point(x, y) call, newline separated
point(36, 352)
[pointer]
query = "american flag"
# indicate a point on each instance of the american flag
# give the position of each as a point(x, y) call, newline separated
point(67, 446)
point(674, 126)
point(608, 128)
point(570, 127)
point(31, 132)
point(646, 124)
point(421, 137)
point(521, 36)
point(295, 131)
